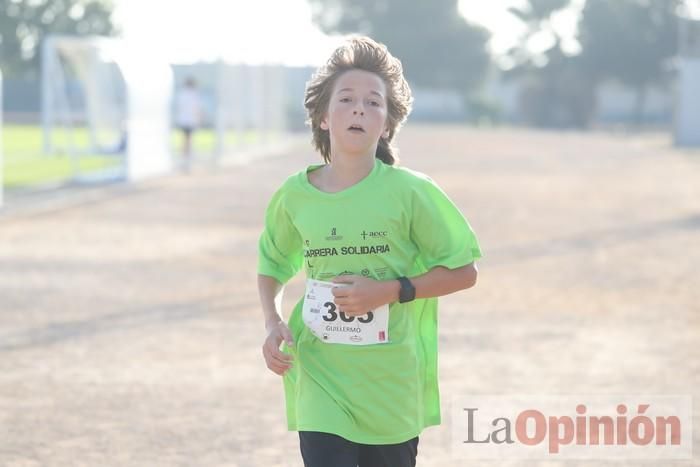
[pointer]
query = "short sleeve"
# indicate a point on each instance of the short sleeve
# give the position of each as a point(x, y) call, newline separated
point(439, 230)
point(280, 249)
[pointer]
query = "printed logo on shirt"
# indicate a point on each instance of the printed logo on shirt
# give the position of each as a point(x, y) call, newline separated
point(308, 263)
point(374, 234)
point(347, 250)
point(381, 272)
point(334, 235)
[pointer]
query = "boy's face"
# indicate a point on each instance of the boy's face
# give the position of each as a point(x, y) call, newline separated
point(357, 112)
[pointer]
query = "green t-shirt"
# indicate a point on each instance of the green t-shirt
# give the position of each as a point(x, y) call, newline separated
point(395, 222)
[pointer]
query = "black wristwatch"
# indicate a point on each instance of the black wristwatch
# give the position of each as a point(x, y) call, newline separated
point(407, 292)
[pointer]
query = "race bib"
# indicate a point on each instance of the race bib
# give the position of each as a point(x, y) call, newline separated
point(322, 317)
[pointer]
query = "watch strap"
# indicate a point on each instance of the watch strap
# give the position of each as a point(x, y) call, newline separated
point(407, 293)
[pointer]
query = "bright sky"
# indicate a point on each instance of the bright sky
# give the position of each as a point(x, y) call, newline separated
point(188, 30)
point(506, 29)
point(250, 31)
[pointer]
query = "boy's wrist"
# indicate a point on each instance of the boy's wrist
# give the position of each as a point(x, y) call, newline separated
point(392, 287)
point(272, 322)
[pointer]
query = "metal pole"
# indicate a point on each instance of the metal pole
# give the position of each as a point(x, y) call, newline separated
point(47, 99)
point(2, 161)
point(220, 109)
point(687, 111)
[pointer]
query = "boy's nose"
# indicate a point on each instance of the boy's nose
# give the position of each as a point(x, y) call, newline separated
point(354, 112)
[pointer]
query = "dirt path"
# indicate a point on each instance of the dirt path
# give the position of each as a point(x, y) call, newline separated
point(130, 331)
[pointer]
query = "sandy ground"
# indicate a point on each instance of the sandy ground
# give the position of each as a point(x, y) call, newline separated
point(130, 332)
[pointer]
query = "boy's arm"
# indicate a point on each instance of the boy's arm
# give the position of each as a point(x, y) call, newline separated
point(270, 291)
point(441, 281)
point(362, 293)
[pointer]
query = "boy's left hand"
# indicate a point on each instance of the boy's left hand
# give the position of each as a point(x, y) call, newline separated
point(356, 295)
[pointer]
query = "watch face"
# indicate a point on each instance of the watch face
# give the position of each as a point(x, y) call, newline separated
point(408, 291)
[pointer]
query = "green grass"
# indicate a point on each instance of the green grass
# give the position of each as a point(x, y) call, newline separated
point(25, 164)
point(204, 140)
point(41, 170)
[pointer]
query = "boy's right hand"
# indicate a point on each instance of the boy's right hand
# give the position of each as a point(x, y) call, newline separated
point(277, 361)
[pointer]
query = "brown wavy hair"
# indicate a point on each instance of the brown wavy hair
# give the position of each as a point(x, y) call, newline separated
point(359, 53)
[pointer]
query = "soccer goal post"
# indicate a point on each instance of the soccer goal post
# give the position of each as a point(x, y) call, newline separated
point(104, 97)
point(687, 116)
point(2, 160)
point(252, 107)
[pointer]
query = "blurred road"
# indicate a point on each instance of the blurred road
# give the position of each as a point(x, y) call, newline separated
point(130, 332)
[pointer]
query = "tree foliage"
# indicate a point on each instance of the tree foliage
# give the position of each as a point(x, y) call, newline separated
point(436, 45)
point(629, 40)
point(537, 17)
point(24, 24)
point(552, 92)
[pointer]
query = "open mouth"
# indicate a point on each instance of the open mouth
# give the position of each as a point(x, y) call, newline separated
point(356, 129)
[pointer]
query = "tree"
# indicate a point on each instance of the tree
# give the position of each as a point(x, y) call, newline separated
point(537, 16)
point(556, 94)
point(552, 91)
point(436, 45)
point(24, 24)
point(631, 41)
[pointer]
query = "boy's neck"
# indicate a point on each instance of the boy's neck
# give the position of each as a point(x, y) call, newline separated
point(345, 171)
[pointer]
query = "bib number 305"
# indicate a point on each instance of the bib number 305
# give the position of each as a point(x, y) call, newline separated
point(322, 317)
point(332, 315)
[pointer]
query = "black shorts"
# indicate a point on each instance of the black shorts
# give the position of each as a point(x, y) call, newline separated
point(326, 449)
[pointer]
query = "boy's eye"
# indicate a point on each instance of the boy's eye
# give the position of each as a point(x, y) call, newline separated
point(344, 99)
point(374, 102)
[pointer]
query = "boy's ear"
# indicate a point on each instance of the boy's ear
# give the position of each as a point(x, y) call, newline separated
point(324, 124)
point(386, 133)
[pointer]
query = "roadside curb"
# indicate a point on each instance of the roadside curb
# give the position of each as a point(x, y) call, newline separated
point(53, 198)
